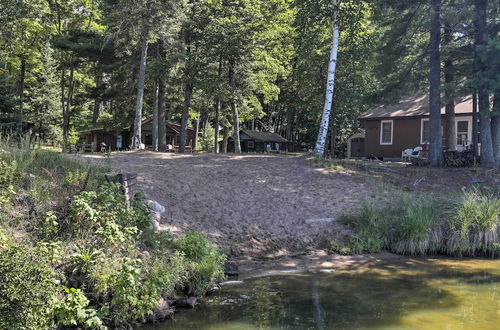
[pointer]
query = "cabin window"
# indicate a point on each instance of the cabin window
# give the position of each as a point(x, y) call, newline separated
point(386, 131)
point(463, 132)
point(425, 131)
point(250, 145)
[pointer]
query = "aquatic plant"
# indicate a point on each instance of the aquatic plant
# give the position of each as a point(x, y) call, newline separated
point(462, 225)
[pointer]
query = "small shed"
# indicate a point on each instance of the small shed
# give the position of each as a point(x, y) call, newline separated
point(254, 141)
point(356, 145)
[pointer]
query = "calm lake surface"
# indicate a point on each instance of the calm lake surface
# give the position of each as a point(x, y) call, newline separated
point(414, 294)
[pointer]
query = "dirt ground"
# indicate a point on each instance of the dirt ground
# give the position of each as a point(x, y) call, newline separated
point(274, 205)
point(248, 204)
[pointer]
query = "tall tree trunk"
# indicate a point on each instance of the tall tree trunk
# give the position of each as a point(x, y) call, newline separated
point(435, 147)
point(495, 127)
point(234, 108)
point(487, 157)
point(330, 86)
point(67, 110)
point(474, 125)
point(450, 132)
point(217, 112)
point(155, 114)
point(225, 137)
point(20, 87)
point(97, 101)
point(188, 92)
point(217, 125)
point(333, 135)
point(196, 132)
point(137, 136)
point(162, 128)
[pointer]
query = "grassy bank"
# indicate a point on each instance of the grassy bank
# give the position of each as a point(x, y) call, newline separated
point(72, 254)
point(465, 224)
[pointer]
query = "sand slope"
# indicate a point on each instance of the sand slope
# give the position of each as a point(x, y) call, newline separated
point(248, 204)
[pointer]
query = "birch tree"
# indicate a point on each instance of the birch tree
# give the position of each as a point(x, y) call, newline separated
point(330, 86)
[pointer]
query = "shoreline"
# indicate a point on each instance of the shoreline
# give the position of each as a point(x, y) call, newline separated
point(315, 261)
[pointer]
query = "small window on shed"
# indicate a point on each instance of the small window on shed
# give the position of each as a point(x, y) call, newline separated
point(250, 144)
point(386, 131)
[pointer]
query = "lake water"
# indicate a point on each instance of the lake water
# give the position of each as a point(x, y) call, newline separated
point(414, 294)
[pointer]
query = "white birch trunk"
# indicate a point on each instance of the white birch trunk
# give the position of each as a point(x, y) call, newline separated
point(155, 116)
point(330, 86)
point(137, 136)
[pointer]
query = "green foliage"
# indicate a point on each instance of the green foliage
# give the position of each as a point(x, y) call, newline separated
point(28, 288)
point(105, 213)
point(420, 225)
point(83, 259)
point(475, 224)
point(206, 142)
point(74, 310)
point(204, 262)
point(8, 176)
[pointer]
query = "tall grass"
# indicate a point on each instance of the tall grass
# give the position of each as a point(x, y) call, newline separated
point(464, 225)
point(474, 224)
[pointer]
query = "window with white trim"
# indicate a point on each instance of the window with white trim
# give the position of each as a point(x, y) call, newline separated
point(425, 131)
point(463, 138)
point(386, 132)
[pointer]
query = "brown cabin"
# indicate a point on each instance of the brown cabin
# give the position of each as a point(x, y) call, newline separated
point(254, 141)
point(121, 140)
point(388, 130)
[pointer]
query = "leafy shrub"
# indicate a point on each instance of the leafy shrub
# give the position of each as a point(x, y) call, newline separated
point(104, 213)
point(204, 262)
point(133, 297)
point(27, 288)
point(8, 176)
point(73, 310)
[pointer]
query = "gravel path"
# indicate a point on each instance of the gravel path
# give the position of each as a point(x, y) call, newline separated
point(248, 204)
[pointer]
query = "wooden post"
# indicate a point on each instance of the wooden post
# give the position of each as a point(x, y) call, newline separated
point(127, 182)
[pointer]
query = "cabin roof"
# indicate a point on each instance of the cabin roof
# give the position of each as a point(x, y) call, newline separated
point(174, 126)
point(264, 136)
point(414, 107)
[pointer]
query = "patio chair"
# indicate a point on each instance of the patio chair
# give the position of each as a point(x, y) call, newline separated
point(416, 152)
point(406, 154)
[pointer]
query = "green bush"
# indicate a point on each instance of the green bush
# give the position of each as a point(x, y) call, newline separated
point(73, 255)
point(204, 262)
point(28, 289)
point(8, 176)
point(73, 310)
point(105, 213)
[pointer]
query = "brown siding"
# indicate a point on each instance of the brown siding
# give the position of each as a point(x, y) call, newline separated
point(406, 134)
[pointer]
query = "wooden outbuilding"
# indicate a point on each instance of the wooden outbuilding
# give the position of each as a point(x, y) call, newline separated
point(90, 140)
point(254, 141)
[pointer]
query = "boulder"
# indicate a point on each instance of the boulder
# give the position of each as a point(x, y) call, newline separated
point(155, 224)
point(156, 216)
point(161, 311)
point(154, 206)
point(231, 268)
point(189, 302)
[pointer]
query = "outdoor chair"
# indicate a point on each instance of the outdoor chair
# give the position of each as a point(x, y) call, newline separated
point(406, 154)
point(416, 152)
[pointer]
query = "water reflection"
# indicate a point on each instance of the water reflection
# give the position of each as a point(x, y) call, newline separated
point(424, 294)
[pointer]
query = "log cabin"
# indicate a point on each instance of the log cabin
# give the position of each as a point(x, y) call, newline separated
point(121, 140)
